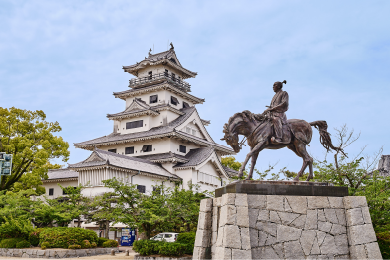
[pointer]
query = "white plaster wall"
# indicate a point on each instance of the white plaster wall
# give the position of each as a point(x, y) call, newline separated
point(57, 189)
point(122, 125)
point(158, 146)
point(146, 97)
point(158, 69)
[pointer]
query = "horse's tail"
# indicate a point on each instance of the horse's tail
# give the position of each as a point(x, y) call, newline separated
point(325, 140)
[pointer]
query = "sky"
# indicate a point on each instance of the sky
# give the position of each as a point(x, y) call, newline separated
point(66, 58)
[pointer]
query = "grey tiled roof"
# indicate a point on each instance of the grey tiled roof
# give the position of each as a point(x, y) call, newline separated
point(196, 156)
point(153, 131)
point(123, 161)
point(163, 156)
point(200, 100)
point(62, 174)
point(165, 56)
point(229, 171)
point(149, 108)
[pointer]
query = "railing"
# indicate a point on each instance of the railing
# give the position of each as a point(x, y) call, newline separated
point(154, 77)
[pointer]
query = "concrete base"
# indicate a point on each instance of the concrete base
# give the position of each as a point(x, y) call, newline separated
point(287, 188)
point(241, 226)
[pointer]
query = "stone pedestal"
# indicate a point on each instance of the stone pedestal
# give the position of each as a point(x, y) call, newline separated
point(242, 226)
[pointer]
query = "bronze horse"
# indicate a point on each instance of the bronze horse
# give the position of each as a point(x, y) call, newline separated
point(258, 130)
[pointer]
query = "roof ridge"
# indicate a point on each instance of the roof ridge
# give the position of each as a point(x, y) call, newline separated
point(132, 158)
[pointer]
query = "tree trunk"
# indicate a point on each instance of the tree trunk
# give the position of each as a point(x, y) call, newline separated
point(78, 222)
point(107, 229)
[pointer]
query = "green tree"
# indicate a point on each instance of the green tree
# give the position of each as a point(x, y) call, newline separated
point(29, 138)
point(103, 210)
point(75, 203)
point(161, 210)
point(231, 162)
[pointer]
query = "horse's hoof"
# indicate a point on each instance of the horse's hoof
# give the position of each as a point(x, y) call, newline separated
point(309, 178)
point(296, 179)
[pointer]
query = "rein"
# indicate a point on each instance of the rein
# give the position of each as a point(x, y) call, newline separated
point(243, 139)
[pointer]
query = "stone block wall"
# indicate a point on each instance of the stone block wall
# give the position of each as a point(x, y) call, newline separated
point(240, 226)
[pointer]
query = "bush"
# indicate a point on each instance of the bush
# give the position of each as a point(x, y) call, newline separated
point(188, 239)
point(10, 242)
point(63, 237)
point(101, 240)
point(86, 244)
point(45, 245)
point(93, 244)
point(146, 247)
point(151, 247)
point(384, 243)
point(171, 249)
point(74, 247)
point(23, 244)
point(15, 228)
point(34, 236)
point(110, 243)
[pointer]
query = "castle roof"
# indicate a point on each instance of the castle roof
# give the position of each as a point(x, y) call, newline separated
point(164, 157)
point(155, 132)
point(166, 58)
point(105, 158)
point(57, 174)
point(155, 87)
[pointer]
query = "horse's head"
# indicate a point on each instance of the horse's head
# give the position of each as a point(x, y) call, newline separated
point(238, 124)
point(231, 138)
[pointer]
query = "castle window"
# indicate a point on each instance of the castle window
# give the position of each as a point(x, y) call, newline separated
point(173, 77)
point(129, 150)
point(153, 99)
point(141, 188)
point(134, 124)
point(51, 191)
point(147, 148)
point(112, 150)
point(166, 73)
point(182, 148)
point(185, 105)
point(150, 75)
point(174, 101)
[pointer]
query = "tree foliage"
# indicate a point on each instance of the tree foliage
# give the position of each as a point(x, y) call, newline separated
point(161, 210)
point(30, 139)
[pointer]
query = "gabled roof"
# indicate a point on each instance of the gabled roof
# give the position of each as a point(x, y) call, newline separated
point(65, 173)
point(155, 132)
point(105, 158)
point(167, 58)
point(137, 109)
point(196, 156)
point(199, 156)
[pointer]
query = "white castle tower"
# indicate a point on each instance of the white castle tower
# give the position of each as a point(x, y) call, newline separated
point(158, 137)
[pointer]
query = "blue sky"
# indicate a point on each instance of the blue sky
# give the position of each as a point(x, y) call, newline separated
point(66, 57)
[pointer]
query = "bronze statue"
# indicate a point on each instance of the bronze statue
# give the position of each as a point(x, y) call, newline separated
point(272, 130)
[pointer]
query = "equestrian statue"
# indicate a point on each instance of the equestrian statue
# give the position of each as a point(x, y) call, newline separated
point(272, 130)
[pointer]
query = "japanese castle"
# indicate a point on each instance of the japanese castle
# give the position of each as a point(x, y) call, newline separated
point(159, 137)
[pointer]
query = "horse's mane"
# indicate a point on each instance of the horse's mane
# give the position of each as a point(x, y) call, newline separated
point(245, 115)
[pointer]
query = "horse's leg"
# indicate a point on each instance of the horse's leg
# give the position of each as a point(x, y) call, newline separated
point(294, 149)
point(253, 163)
point(258, 147)
point(307, 160)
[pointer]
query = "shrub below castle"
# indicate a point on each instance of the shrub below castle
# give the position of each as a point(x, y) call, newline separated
point(63, 237)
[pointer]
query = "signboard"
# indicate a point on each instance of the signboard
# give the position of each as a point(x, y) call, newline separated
point(5, 164)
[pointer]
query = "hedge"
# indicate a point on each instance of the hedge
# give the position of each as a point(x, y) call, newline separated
point(23, 244)
point(101, 240)
point(10, 242)
point(110, 243)
point(188, 239)
point(152, 247)
point(34, 236)
point(63, 237)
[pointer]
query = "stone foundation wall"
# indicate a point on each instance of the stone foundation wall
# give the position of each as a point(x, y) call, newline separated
point(240, 226)
point(54, 253)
